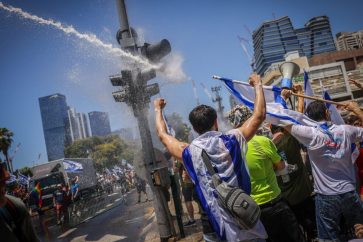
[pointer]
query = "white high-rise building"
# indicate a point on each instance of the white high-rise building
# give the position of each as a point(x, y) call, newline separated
point(349, 40)
point(78, 125)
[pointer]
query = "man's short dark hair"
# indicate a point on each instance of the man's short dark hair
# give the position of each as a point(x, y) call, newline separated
point(275, 128)
point(316, 111)
point(202, 118)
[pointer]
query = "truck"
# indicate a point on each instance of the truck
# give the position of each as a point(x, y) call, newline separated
point(61, 172)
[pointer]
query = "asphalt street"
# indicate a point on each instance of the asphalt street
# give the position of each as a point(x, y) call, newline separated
point(128, 221)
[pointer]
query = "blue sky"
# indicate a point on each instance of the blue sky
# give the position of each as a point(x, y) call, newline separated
point(37, 60)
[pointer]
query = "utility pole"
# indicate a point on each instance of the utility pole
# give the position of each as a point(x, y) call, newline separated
point(136, 93)
point(218, 100)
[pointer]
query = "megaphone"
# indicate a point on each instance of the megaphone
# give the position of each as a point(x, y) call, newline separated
point(288, 71)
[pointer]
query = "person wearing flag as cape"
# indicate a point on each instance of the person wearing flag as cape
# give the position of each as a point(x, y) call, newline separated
point(332, 159)
point(227, 153)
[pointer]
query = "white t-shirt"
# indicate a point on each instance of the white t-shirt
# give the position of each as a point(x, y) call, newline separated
point(331, 159)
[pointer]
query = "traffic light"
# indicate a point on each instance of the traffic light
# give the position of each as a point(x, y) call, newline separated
point(121, 95)
point(145, 75)
point(134, 89)
point(121, 80)
point(152, 89)
point(155, 52)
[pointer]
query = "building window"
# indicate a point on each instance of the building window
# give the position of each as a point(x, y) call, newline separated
point(322, 43)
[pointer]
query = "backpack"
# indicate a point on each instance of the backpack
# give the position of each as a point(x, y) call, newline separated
point(243, 209)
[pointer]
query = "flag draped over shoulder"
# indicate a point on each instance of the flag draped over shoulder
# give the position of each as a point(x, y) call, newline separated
point(276, 110)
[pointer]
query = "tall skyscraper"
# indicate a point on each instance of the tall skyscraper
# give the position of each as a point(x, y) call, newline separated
point(316, 37)
point(100, 123)
point(78, 125)
point(53, 110)
point(273, 39)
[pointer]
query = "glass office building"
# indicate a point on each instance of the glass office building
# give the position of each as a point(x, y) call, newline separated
point(316, 37)
point(273, 39)
point(53, 110)
point(99, 123)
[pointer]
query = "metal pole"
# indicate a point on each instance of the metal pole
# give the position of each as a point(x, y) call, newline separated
point(140, 111)
point(122, 17)
point(177, 205)
point(159, 202)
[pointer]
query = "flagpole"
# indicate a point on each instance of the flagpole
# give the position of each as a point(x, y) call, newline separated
point(317, 99)
point(321, 99)
point(298, 95)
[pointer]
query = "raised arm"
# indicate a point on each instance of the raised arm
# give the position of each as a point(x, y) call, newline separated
point(297, 88)
point(250, 127)
point(174, 146)
point(354, 107)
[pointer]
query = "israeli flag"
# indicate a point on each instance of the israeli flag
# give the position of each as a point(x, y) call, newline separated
point(335, 116)
point(23, 180)
point(276, 110)
point(307, 89)
point(72, 166)
point(117, 168)
point(170, 129)
point(108, 171)
point(11, 179)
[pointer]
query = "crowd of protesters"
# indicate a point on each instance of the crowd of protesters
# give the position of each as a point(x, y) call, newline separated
point(15, 197)
point(307, 181)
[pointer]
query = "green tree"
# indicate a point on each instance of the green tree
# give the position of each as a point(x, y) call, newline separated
point(26, 171)
point(181, 129)
point(6, 139)
point(105, 151)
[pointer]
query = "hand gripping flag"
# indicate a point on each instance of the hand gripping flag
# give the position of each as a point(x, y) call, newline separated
point(276, 110)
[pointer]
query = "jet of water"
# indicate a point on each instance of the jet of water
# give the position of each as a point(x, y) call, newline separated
point(91, 38)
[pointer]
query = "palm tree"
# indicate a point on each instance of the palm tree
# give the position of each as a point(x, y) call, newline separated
point(5, 143)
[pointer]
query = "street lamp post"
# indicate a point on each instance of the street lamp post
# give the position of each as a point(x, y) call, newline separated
point(136, 93)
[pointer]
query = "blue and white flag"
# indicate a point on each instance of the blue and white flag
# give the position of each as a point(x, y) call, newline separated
point(11, 179)
point(72, 166)
point(23, 180)
point(276, 110)
point(335, 116)
point(307, 89)
point(117, 168)
point(170, 129)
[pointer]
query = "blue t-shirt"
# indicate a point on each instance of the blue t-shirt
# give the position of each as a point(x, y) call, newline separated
point(74, 188)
